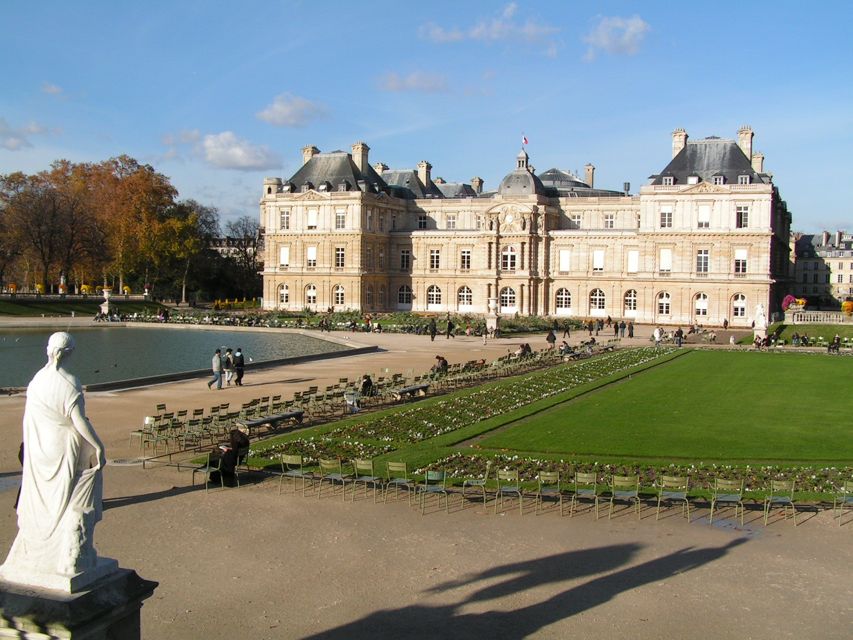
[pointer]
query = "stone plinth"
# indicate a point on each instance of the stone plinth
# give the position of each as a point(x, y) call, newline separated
point(106, 610)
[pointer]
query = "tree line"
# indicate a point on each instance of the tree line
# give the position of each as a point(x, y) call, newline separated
point(119, 223)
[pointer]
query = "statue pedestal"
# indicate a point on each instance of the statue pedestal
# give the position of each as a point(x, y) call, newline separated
point(108, 608)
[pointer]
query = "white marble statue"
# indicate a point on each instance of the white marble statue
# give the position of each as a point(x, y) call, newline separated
point(760, 317)
point(61, 486)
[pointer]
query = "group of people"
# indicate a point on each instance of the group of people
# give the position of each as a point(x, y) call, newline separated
point(232, 364)
point(440, 366)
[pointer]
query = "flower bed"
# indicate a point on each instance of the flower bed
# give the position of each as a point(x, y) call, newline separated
point(312, 449)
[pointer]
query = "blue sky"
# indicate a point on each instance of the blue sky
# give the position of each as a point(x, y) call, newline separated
point(217, 95)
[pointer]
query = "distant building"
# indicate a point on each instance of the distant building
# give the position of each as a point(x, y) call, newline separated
point(823, 268)
point(706, 240)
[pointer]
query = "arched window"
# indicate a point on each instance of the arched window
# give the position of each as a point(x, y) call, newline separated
point(630, 302)
point(338, 293)
point(433, 295)
point(507, 300)
point(597, 301)
point(508, 259)
point(464, 297)
point(739, 306)
point(700, 305)
point(310, 294)
point(283, 294)
point(370, 295)
point(404, 295)
point(564, 300)
point(664, 300)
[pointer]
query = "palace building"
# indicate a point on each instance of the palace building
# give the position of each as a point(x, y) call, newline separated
point(706, 240)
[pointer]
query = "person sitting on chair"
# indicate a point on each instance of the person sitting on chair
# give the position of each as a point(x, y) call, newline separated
point(237, 440)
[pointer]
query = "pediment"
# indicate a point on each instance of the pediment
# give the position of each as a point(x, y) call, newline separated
point(705, 187)
point(311, 195)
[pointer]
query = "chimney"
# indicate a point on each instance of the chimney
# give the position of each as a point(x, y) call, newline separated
point(309, 152)
point(359, 156)
point(477, 183)
point(838, 237)
point(589, 173)
point(679, 141)
point(424, 169)
point(758, 162)
point(379, 167)
point(825, 240)
point(744, 140)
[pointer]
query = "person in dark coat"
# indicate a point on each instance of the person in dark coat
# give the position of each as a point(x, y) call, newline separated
point(239, 366)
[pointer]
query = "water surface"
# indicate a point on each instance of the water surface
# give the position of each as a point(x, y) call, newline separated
point(110, 353)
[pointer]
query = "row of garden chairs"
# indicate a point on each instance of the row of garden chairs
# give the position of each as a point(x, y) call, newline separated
point(670, 490)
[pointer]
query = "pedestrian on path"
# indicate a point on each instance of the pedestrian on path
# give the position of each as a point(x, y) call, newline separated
point(239, 366)
point(216, 367)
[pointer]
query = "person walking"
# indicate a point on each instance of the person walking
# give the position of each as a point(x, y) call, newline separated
point(216, 367)
point(551, 339)
point(567, 329)
point(622, 326)
point(449, 331)
point(432, 329)
point(630, 328)
point(228, 366)
point(239, 366)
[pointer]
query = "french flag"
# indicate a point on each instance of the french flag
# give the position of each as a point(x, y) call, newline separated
point(523, 139)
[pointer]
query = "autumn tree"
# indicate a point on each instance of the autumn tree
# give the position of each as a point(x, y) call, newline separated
point(243, 236)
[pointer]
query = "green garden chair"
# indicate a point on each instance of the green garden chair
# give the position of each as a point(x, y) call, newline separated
point(781, 496)
point(509, 485)
point(477, 484)
point(586, 488)
point(674, 489)
point(624, 489)
point(207, 468)
point(549, 489)
point(398, 477)
point(435, 484)
point(843, 500)
point(365, 475)
point(727, 492)
point(292, 467)
point(331, 471)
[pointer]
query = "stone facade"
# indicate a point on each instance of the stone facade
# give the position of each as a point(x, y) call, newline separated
point(706, 240)
point(822, 268)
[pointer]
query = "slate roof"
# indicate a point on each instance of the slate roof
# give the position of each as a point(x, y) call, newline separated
point(406, 184)
point(708, 158)
point(336, 167)
point(559, 183)
point(457, 190)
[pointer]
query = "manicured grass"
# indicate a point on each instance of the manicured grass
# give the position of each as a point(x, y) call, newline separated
point(707, 406)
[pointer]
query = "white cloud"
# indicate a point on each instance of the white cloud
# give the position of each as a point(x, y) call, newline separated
point(51, 89)
point(616, 35)
point(291, 111)
point(501, 27)
point(15, 138)
point(226, 151)
point(415, 81)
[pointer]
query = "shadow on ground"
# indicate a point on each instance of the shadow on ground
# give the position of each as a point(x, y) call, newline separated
point(423, 620)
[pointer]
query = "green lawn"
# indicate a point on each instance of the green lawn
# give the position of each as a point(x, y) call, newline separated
point(34, 307)
point(706, 406)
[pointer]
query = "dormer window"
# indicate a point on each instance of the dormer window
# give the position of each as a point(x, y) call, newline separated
point(307, 187)
point(743, 179)
point(668, 181)
point(719, 180)
point(692, 179)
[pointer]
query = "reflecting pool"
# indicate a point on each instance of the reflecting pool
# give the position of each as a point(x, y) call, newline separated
point(110, 353)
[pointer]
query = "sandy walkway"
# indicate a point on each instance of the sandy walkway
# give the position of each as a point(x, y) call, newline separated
point(249, 563)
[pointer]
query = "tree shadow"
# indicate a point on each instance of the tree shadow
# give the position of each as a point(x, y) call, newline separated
point(422, 621)
point(126, 501)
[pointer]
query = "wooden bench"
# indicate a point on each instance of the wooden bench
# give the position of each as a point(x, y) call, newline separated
point(271, 421)
point(411, 391)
